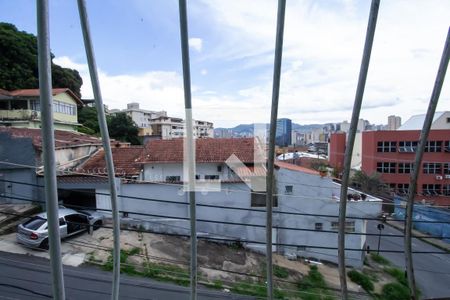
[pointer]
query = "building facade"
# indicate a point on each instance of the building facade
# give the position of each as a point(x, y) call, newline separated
point(283, 136)
point(22, 108)
point(394, 122)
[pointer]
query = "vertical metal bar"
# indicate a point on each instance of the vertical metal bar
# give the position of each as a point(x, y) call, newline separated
point(271, 154)
point(189, 143)
point(418, 160)
point(106, 144)
point(48, 143)
point(351, 140)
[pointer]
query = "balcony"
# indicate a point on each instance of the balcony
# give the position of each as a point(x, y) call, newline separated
point(20, 114)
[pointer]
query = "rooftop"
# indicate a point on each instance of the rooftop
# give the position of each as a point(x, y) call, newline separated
point(416, 122)
point(63, 139)
point(35, 93)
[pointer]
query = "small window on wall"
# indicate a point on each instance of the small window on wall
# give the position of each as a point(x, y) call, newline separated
point(318, 226)
point(211, 177)
point(258, 199)
point(173, 178)
point(288, 189)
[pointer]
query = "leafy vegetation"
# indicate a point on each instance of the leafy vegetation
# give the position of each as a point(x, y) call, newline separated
point(398, 274)
point(313, 286)
point(361, 279)
point(253, 289)
point(280, 272)
point(395, 291)
point(380, 259)
point(19, 63)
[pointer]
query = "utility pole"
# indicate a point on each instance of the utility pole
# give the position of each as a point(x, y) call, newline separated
point(189, 144)
point(380, 228)
point(271, 155)
point(351, 140)
point(417, 162)
point(106, 144)
point(48, 148)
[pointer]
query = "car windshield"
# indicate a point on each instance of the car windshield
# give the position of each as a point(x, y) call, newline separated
point(34, 223)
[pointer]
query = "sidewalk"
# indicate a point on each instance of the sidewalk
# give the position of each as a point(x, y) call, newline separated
point(420, 235)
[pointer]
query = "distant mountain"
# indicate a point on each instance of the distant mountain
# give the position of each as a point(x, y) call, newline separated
point(247, 129)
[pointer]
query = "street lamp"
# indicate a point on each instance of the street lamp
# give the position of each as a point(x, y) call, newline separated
point(380, 227)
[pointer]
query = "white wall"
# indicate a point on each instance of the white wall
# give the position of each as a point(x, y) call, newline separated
point(159, 171)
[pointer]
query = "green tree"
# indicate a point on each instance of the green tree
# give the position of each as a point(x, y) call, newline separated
point(19, 63)
point(87, 116)
point(121, 127)
point(371, 184)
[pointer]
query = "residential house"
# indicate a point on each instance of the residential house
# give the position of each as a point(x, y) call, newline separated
point(158, 200)
point(22, 108)
point(21, 160)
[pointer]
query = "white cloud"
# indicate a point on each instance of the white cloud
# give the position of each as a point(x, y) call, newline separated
point(203, 71)
point(196, 44)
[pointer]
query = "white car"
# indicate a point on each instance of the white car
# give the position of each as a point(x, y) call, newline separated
point(34, 233)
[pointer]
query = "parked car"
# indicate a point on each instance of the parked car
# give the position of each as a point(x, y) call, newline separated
point(34, 233)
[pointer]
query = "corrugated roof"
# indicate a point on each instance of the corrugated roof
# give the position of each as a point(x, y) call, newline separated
point(207, 150)
point(63, 139)
point(416, 122)
point(126, 161)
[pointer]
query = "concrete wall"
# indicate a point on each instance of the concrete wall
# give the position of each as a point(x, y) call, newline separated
point(311, 194)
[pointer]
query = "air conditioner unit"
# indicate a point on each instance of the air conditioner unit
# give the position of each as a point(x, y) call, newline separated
point(447, 176)
point(438, 177)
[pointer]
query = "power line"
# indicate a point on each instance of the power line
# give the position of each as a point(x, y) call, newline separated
point(224, 207)
point(221, 222)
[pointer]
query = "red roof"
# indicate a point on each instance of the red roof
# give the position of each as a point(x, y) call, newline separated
point(293, 167)
point(35, 93)
point(63, 139)
point(126, 161)
point(207, 150)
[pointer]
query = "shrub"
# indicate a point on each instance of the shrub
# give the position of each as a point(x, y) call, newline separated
point(395, 291)
point(380, 259)
point(398, 274)
point(280, 272)
point(362, 279)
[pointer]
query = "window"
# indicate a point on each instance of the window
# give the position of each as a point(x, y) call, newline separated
point(407, 146)
point(431, 189)
point(197, 177)
point(173, 178)
point(386, 167)
point(447, 146)
point(448, 120)
point(387, 147)
point(212, 177)
point(288, 189)
point(402, 188)
point(318, 226)
point(64, 108)
point(4, 105)
point(447, 168)
point(447, 190)
point(433, 146)
point(219, 168)
point(35, 105)
point(349, 226)
point(432, 168)
point(258, 199)
point(19, 104)
point(405, 168)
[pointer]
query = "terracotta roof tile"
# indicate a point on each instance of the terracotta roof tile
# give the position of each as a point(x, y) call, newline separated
point(126, 162)
point(293, 167)
point(207, 150)
point(63, 139)
point(35, 93)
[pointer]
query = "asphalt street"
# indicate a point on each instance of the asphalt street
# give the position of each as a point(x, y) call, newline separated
point(28, 277)
point(432, 271)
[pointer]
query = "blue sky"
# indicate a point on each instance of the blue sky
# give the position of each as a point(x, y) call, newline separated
point(137, 48)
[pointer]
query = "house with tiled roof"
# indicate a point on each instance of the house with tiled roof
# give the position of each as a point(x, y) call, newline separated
point(22, 108)
point(21, 159)
point(156, 197)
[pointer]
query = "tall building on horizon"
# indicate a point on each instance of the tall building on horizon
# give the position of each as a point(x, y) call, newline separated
point(394, 122)
point(283, 137)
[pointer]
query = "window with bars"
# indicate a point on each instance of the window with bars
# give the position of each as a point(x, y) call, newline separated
point(318, 226)
point(349, 226)
point(446, 190)
point(432, 168)
point(407, 146)
point(447, 146)
point(433, 146)
point(386, 167)
point(405, 168)
point(402, 188)
point(431, 189)
point(289, 189)
point(386, 146)
point(446, 168)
